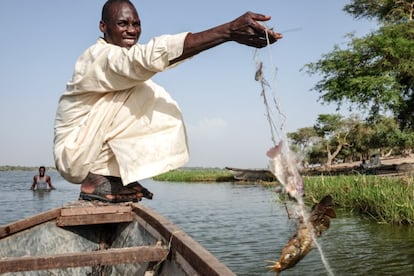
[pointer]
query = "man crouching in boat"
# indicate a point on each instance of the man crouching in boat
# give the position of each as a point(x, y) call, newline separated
point(114, 126)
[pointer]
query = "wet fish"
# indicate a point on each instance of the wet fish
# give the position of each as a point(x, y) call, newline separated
point(302, 241)
point(321, 214)
point(284, 166)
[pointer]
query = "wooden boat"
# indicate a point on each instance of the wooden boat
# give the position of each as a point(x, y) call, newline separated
point(251, 174)
point(91, 238)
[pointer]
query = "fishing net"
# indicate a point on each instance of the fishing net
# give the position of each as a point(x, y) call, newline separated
point(284, 163)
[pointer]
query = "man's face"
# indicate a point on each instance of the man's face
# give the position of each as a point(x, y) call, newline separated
point(41, 172)
point(123, 27)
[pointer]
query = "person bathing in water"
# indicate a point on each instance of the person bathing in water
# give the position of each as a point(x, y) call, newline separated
point(114, 126)
point(42, 181)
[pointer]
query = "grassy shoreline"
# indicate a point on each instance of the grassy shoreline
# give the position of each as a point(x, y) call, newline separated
point(196, 175)
point(382, 199)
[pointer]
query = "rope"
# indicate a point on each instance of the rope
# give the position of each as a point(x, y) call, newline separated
point(274, 112)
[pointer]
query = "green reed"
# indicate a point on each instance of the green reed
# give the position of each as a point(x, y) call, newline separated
point(384, 199)
point(196, 175)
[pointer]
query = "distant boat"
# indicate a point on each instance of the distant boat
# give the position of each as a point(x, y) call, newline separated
point(251, 174)
point(92, 238)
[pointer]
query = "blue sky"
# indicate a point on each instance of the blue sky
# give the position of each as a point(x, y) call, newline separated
point(216, 90)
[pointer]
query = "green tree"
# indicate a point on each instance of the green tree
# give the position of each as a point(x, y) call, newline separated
point(384, 135)
point(359, 138)
point(303, 141)
point(334, 131)
point(351, 139)
point(408, 142)
point(304, 138)
point(383, 10)
point(326, 140)
point(376, 72)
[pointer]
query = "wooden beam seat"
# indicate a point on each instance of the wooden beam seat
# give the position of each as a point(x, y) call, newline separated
point(137, 254)
point(73, 215)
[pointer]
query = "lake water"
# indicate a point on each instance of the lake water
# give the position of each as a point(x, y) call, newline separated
point(244, 226)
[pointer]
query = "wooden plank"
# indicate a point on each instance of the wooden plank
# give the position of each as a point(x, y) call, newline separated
point(70, 211)
point(93, 219)
point(28, 222)
point(138, 254)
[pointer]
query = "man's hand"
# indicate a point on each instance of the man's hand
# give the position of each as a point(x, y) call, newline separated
point(248, 30)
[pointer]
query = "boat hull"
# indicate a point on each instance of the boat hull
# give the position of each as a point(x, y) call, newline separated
point(251, 174)
point(113, 242)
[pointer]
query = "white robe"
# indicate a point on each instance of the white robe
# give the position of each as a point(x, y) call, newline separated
point(113, 120)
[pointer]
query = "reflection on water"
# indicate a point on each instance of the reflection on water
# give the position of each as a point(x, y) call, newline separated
point(243, 225)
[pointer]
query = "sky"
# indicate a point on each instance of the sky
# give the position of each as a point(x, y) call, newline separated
point(216, 90)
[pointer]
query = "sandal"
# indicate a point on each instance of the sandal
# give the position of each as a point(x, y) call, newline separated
point(103, 198)
point(138, 188)
point(108, 189)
